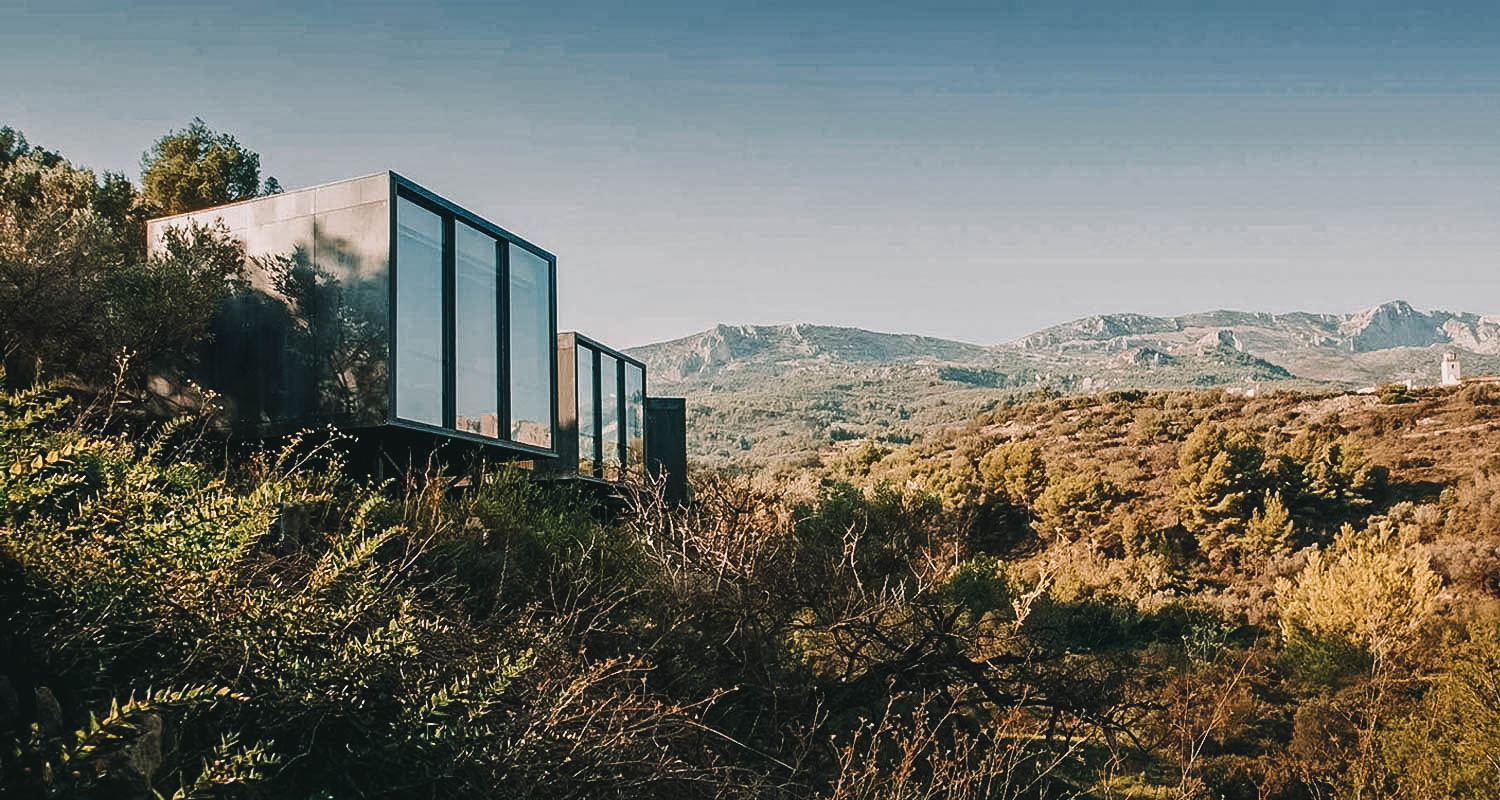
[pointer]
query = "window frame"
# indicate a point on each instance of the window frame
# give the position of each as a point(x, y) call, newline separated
point(444, 357)
point(502, 335)
point(450, 213)
point(549, 339)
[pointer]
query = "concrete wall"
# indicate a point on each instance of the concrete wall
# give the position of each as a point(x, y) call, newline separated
point(307, 341)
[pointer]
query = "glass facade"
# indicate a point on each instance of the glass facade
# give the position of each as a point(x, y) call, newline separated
point(610, 392)
point(609, 415)
point(419, 314)
point(635, 418)
point(531, 343)
point(476, 323)
point(474, 341)
point(588, 437)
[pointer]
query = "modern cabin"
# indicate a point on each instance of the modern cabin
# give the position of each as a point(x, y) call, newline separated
point(377, 306)
point(601, 409)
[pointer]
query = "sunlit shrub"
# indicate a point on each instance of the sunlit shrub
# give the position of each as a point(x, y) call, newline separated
point(1365, 602)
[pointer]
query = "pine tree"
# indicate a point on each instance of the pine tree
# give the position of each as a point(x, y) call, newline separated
point(1268, 534)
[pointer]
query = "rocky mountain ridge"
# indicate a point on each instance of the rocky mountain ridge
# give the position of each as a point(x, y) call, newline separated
point(1301, 343)
point(1382, 327)
point(729, 345)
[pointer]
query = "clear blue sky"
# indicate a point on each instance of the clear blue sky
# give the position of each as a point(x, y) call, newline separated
point(974, 171)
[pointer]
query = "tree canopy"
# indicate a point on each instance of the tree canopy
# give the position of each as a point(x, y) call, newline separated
point(198, 167)
point(77, 288)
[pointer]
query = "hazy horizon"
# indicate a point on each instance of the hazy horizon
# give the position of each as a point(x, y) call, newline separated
point(970, 172)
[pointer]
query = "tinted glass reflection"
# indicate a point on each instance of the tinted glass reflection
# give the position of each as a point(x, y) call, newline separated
point(476, 305)
point(587, 430)
point(609, 415)
point(419, 314)
point(635, 413)
point(530, 348)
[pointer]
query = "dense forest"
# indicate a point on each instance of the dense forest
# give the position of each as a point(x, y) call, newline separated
point(1164, 594)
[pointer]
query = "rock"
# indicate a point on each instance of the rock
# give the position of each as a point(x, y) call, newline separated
point(1224, 338)
point(126, 772)
point(49, 716)
point(1149, 357)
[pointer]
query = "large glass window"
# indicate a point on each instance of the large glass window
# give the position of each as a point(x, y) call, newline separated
point(635, 421)
point(476, 306)
point(609, 415)
point(530, 348)
point(419, 314)
point(587, 435)
point(499, 348)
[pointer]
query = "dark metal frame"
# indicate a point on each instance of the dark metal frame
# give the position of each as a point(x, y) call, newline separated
point(450, 213)
point(595, 349)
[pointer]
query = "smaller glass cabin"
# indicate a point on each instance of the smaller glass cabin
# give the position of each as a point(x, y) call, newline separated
point(601, 410)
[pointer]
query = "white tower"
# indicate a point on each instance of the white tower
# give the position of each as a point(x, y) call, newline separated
point(1452, 373)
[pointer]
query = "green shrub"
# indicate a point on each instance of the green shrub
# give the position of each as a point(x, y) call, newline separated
point(1446, 746)
point(1016, 470)
point(980, 585)
point(1394, 394)
point(1077, 505)
point(197, 167)
point(1219, 480)
point(1327, 481)
point(884, 528)
point(79, 290)
point(1268, 534)
point(1366, 601)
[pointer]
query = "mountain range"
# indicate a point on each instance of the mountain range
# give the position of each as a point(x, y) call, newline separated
point(763, 393)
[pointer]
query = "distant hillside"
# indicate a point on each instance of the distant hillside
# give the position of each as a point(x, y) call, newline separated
point(781, 393)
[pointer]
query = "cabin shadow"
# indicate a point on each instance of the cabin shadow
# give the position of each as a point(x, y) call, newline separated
point(310, 351)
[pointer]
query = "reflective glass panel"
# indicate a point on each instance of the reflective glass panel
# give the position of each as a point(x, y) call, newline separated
point(530, 348)
point(419, 314)
point(609, 415)
point(587, 425)
point(635, 417)
point(476, 306)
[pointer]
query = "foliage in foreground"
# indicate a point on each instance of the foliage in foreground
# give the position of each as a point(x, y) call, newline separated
point(270, 626)
point(356, 662)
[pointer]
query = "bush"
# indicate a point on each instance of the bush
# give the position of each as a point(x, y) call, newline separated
point(879, 531)
point(1482, 394)
point(198, 167)
point(1268, 534)
point(1391, 394)
point(1077, 505)
point(1369, 599)
point(1015, 470)
point(79, 290)
point(1327, 481)
point(1220, 483)
point(1446, 747)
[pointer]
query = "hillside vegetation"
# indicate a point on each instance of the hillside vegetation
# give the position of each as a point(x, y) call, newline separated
point(1130, 595)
